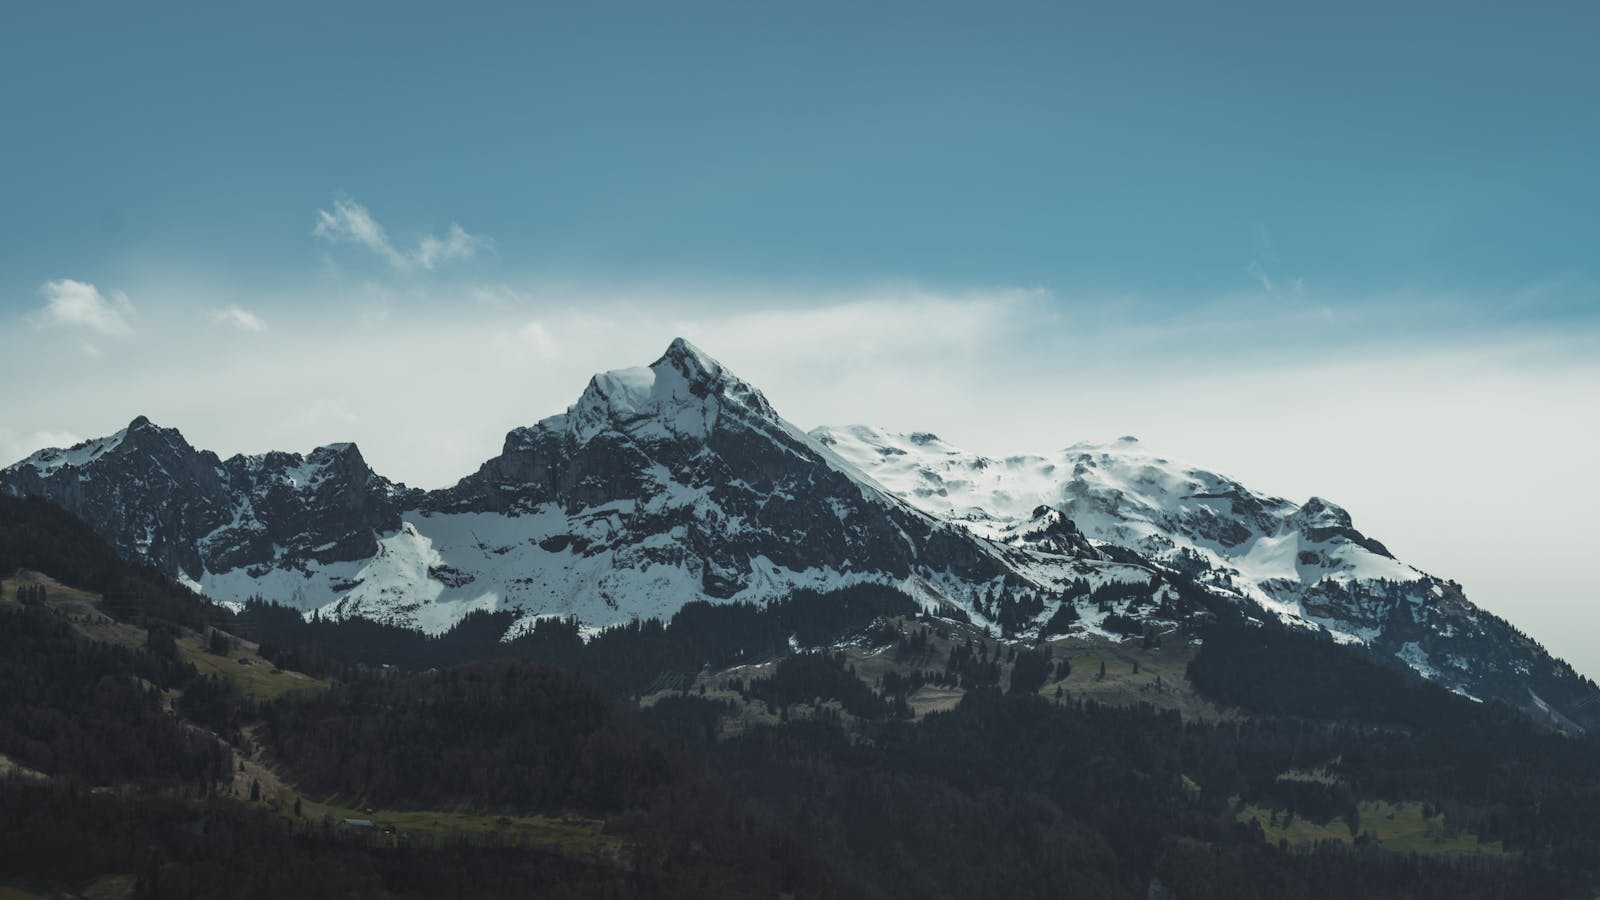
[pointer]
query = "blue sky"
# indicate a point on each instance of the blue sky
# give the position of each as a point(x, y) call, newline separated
point(1158, 149)
point(1347, 251)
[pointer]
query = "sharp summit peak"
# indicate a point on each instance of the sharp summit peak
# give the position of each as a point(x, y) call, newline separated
point(690, 360)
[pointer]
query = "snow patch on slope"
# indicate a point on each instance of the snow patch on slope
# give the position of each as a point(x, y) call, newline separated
point(1120, 494)
point(48, 461)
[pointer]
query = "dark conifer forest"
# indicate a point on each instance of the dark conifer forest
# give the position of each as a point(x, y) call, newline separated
point(740, 751)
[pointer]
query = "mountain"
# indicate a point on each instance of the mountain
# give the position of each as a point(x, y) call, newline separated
point(1305, 564)
point(679, 482)
point(184, 511)
point(661, 485)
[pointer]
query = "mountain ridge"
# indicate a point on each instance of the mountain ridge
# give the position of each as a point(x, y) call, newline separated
point(679, 481)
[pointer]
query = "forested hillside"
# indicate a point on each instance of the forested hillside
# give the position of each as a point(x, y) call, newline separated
point(827, 745)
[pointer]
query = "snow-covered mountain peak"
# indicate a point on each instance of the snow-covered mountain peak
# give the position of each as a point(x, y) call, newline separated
point(693, 362)
point(141, 425)
point(50, 459)
point(679, 396)
point(344, 456)
point(141, 437)
point(342, 461)
point(1320, 513)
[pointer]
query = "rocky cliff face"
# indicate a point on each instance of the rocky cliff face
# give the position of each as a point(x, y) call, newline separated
point(324, 507)
point(144, 488)
point(184, 511)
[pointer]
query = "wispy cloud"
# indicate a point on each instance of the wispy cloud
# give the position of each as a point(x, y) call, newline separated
point(77, 304)
point(1260, 275)
point(238, 317)
point(457, 245)
point(537, 337)
point(1264, 260)
point(350, 222)
point(1294, 287)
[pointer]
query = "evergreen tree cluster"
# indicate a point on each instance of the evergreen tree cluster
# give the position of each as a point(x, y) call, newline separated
point(38, 535)
point(971, 666)
point(511, 736)
point(1015, 796)
point(815, 677)
point(60, 834)
point(1029, 672)
point(94, 711)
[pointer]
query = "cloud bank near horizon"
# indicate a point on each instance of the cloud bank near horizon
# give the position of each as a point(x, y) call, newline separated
point(1460, 447)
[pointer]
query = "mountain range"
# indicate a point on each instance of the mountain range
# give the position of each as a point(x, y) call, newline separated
point(679, 482)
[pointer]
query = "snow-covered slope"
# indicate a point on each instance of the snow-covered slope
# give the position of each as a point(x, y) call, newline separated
point(1203, 523)
point(1306, 563)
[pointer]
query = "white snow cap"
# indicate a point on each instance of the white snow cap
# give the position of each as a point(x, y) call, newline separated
point(52, 459)
point(49, 460)
point(680, 395)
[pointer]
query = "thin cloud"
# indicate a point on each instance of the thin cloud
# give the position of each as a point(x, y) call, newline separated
point(457, 245)
point(240, 318)
point(350, 222)
point(1294, 287)
point(78, 304)
point(537, 338)
point(1260, 275)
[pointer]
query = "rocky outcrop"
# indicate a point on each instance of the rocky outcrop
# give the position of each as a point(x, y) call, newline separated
point(182, 510)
